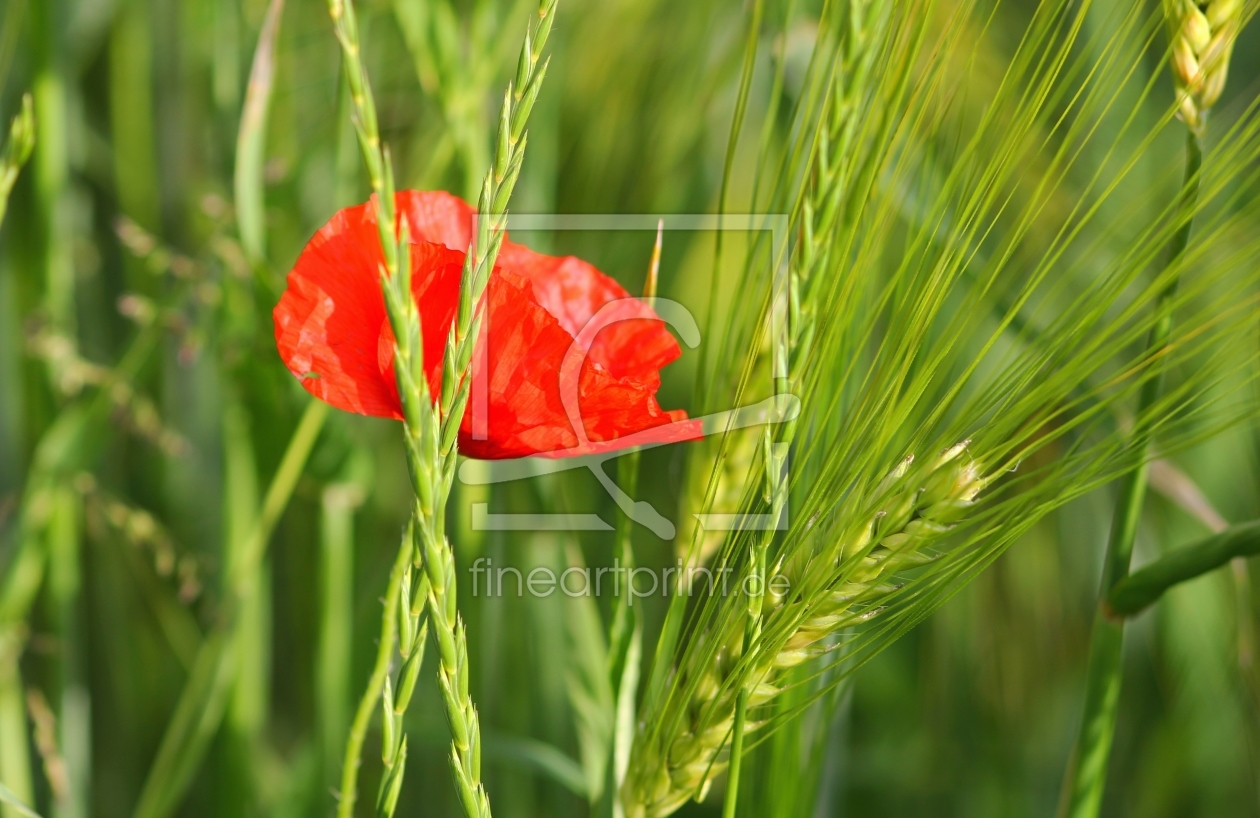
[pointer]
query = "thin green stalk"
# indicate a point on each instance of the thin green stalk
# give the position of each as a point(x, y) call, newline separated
point(65, 683)
point(376, 682)
point(431, 422)
point(737, 753)
point(11, 802)
point(15, 762)
point(251, 140)
point(204, 697)
point(16, 150)
point(1136, 592)
point(246, 712)
point(51, 168)
point(776, 442)
point(625, 632)
point(732, 143)
point(15, 756)
point(333, 654)
point(1102, 692)
point(276, 500)
point(69, 443)
point(131, 114)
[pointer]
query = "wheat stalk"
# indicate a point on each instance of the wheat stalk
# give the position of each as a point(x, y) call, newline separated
point(431, 430)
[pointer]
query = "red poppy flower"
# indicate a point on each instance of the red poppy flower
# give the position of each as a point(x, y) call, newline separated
point(545, 378)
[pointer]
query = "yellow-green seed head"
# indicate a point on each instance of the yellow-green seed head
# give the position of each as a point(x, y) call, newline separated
point(1203, 36)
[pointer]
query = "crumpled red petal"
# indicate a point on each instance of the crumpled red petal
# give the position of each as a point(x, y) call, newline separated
point(332, 333)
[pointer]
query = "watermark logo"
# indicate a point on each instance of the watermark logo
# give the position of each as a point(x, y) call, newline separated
point(592, 455)
point(637, 583)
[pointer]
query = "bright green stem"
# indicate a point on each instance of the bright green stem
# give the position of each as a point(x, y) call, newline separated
point(16, 150)
point(623, 659)
point(281, 487)
point(15, 758)
point(246, 712)
point(70, 443)
point(751, 635)
point(737, 125)
point(131, 116)
point(336, 617)
point(376, 682)
point(1136, 592)
point(202, 702)
point(251, 140)
point(52, 172)
point(64, 681)
point(622, 628)
point(1102, 692)
point(737, 754)
point(625, 634)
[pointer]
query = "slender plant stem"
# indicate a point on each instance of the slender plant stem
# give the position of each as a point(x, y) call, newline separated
point(737, 754)
point(15, 757)
point(732, 142)
point(15, 766)
point(16, 150)
point(334, 650)
point(1088, 773)
point(69, 443)
point(376, 682)
point(625, 632)
point(1133, 594)
point(276, 500)
point(251, 139)
point(202, 701)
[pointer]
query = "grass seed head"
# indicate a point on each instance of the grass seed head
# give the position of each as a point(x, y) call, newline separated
point(1203, 36)
point(912, 509)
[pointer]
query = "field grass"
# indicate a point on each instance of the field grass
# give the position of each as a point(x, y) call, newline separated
point(981, 206)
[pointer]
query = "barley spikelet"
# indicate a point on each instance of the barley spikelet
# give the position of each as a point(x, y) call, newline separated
point(915, 508)
point(1203, 36)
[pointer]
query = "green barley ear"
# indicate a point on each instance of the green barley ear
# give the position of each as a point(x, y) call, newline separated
point(1203, 37)
point(17, 150)
point(912, 511)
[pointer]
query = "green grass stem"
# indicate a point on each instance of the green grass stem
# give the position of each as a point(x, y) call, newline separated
point(199, 711)
point(1141, 589)
point(251, 140)
point(17, 150)
point(334, 651)
point(376, 682)
point(1088, 774)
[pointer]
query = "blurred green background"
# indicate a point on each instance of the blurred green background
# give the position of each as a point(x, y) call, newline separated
point(124, 226)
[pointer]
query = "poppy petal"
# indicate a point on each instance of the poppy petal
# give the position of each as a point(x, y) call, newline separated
point(569, 288)
point(331, 327)
point(333, 333)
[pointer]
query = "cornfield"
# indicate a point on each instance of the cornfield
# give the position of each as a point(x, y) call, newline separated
point(629, 408)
